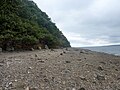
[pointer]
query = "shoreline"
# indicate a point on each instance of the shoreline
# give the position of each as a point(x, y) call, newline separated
point(59, 69)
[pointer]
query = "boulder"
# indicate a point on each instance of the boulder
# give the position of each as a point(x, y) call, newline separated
point(39, 48)
point(32, 49)
point(0, 49)
point(10, 48)
point(46, 47)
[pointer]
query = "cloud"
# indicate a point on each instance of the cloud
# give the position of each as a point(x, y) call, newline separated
point(88, 22)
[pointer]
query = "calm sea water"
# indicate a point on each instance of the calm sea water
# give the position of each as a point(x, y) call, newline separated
point(113, 49)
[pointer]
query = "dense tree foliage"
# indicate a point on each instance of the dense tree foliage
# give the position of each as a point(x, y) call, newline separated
point(23, 25)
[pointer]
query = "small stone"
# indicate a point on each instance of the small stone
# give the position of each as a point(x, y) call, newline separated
point(100, 77)
point(10, 84)
point(81, 88)
point(28, 72)
point(73, 89)
point(82, 51)
point(32, 49)
point(52, 50)
point(33, 88)
point(116, 69)
point(42, 61)
point(79, 59)
point(46, 47)
point(30, 68)
point(61, 53)
point(63, 82)
point(1, 64)
point(67, 61)
point(83, 78)
point(103, 63)
point(0, 49)
point(100, 68)
point(118, 78)
point(66, 49)
point(64, 52)
point(2, 61)
point(46, 80)
point(16, 80)
point(39, 48)
point(36, 55)
point(10, 48)
point(27, 88)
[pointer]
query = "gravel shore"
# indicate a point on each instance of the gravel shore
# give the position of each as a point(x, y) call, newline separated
point(59, 69)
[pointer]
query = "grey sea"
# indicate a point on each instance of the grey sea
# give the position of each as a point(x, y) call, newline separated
point(113, 49)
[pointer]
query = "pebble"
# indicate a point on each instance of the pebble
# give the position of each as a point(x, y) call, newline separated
point(67, 61)
point(32, 49)
point(61, 53)
point(100, 77)
point(73, 89)
point(83, 78)
point(81, 88)
point(100, 68)
point(36, 55)
point(27, 88)
point(33, 88)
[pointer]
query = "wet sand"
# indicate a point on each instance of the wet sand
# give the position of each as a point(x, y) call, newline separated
point(59, 69)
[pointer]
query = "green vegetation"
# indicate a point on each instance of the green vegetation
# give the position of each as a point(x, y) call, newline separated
point(23, 26)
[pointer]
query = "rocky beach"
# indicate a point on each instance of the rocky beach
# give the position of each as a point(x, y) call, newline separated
point(59, 69)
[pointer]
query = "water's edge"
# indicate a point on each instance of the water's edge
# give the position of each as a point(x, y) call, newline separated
point(115, 49)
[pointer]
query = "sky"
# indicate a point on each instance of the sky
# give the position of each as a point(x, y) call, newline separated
point(85, 22)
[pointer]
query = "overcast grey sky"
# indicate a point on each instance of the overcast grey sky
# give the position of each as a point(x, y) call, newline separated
point(85, 22)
